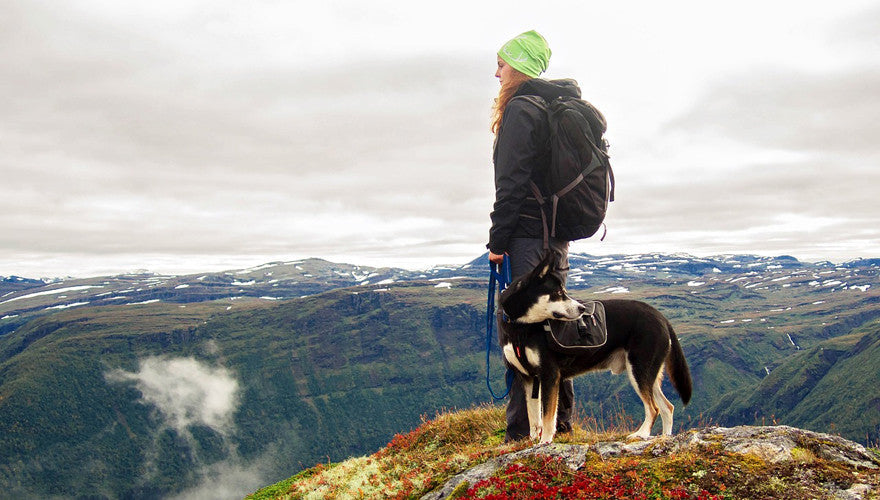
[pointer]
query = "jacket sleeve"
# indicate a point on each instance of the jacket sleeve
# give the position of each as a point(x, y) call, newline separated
point(517, 149)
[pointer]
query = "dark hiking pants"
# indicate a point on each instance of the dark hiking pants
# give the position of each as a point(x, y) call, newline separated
point(525, 254)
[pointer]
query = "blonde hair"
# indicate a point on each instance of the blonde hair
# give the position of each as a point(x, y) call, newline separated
point(504, 96)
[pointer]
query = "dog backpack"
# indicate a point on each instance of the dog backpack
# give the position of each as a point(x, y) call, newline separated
point(580, 181)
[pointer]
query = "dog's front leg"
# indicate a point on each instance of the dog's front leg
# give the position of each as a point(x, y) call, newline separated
point(549, 403)
point(533, 408)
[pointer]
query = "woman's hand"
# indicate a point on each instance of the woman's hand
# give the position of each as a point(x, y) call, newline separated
point(496, 258)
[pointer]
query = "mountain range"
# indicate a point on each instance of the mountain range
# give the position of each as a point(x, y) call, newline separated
point(148, 386)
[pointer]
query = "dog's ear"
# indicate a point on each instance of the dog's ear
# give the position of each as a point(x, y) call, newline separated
point(548, 263)
point(509, 292)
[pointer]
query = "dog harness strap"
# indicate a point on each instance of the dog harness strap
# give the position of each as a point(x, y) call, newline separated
point(518, 349)
point(536, 386)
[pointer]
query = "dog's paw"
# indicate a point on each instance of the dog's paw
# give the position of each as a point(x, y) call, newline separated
point(536, 433)
point(635, 436)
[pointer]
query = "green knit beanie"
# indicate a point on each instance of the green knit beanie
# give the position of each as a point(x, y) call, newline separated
point(528, 53)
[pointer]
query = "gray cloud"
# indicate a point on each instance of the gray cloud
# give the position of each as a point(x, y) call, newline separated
point(118, 144)
point(858, 32)
point(185, 392)
point(795, 159)
point(228, 479)
point(811, 109)
point(174, 132)
point(789, 109)
point(814, 207)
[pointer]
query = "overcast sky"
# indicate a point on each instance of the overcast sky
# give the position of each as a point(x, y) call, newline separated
point(187, 135)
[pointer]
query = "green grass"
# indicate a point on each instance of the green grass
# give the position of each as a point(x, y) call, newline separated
point(411, 463)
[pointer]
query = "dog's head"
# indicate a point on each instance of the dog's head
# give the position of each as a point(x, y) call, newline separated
point(540, 295)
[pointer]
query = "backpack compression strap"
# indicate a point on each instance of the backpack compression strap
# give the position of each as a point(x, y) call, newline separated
point(562, 192)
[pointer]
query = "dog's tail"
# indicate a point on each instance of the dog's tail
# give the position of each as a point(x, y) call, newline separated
point(677, 367)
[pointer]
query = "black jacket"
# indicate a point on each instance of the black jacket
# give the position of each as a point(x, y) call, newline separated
point(522, 153)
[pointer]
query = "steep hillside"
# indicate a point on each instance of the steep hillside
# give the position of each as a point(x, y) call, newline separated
point(831, 386)
point(110, 400)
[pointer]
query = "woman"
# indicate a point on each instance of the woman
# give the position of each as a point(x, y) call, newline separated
point(522, 155)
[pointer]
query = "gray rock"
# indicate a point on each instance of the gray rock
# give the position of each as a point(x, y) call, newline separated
point(775, 444)
point(855, 492)
point(621, 448)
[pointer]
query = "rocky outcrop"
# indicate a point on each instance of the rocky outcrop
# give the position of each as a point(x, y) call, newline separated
point(774, 445)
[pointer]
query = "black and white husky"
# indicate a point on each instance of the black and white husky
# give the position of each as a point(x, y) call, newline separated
point(640, 340)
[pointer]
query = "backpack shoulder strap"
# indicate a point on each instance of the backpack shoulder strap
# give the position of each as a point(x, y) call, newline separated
point(537, 192)
point(544, 106)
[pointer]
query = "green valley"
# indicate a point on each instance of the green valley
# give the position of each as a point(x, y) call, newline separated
point(149, 387)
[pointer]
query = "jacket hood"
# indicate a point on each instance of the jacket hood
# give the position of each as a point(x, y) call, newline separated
point(550, 89)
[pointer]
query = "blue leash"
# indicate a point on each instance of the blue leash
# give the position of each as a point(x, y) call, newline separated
point(502, 278)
